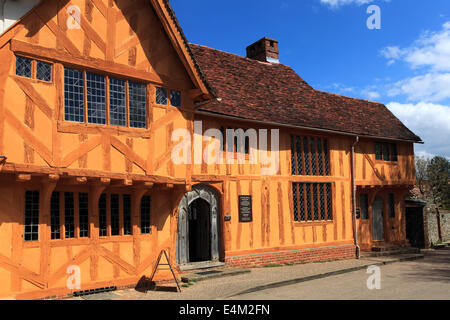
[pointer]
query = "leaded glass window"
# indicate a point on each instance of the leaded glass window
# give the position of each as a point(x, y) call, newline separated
point(127, 214)
point(83, 204)
point(102, 216)
point(309, 156)
point(69, 215)
point(161, 96)
point(96, 98)
point(43, 71)
point(73, 95)
point(137, 102)
point(115, 215)
point(55, 216)
point(117, 102)
point(23, 67)
point(145, 215)
point(312, 202)
point(31, 216)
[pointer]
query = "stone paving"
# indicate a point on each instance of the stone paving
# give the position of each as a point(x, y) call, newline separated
point(223, 288)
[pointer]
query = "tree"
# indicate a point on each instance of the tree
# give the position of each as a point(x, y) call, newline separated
point(421, 174)
point(432, 180)
point(438, 178)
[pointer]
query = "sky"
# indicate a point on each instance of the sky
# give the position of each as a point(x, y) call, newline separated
point(405, 63)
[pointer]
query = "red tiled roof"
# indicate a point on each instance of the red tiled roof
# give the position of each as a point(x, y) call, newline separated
point(269, 92)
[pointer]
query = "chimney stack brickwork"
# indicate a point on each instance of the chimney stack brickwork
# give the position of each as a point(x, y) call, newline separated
point(265, 50)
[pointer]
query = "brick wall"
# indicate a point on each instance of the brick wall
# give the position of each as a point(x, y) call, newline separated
point(294, 256)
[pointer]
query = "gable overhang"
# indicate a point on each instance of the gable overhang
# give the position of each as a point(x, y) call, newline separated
point(202, 91)
point(289, 126)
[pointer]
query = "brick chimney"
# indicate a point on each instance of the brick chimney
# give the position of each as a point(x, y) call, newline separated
point(265, 50)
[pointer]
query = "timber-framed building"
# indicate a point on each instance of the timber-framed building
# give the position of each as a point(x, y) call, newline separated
point(92, 93)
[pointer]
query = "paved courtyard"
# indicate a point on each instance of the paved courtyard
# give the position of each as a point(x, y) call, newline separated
point(427, 278)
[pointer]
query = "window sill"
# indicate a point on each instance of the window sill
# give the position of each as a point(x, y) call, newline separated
point(77, 127)
point(395, 163)
point(312, 223)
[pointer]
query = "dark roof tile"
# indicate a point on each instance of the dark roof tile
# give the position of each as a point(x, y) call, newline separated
point(270, 92)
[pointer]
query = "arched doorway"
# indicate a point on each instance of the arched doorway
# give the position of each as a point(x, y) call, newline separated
point(377, 219)
point(197, 236)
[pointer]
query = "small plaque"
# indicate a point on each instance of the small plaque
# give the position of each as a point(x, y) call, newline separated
point(245, 209)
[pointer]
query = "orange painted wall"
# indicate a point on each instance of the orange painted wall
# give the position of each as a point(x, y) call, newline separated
point(123, 39)
point(273, 226)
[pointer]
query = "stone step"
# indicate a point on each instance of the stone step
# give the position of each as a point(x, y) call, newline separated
point(390, 252)
point(212, 274)
point(385, 248)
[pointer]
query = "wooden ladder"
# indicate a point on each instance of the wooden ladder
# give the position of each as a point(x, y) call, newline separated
point(155, 268)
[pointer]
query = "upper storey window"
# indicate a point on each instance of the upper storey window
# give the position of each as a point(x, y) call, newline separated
point(33, 69)
point(163, 95)
point(386, 151)
point(104, 100)
point(23, 67)
point(309, 156)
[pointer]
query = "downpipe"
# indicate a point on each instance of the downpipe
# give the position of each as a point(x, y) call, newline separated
point(355, 229)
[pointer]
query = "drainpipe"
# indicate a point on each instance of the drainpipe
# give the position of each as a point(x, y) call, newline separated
point(355, 231)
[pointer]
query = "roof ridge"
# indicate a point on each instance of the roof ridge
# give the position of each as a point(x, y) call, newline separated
point(354, 98)
point(239, 56)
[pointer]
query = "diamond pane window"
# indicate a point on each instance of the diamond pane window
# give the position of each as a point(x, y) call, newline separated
point(311, 201)
point(309, 156)
point(302, 202)
point(117, 102)
point(294, 195)
point(329, 207)
point(322, 202)
point(23, 67)
point(73, 95)
point(313, 156)
point(43, 71)
point(31, 216)
point(315, 202)
point(161, 96)
point(299, 156)
point(96, 98)
point(137, 102)
point(175, 98)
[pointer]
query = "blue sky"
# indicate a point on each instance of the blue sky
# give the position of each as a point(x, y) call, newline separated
point(405, 64)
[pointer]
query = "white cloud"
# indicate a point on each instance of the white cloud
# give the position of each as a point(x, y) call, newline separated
point(429, 121)
point(431, 50)
point(370, 93)
point(339, 3)
point(430, 87)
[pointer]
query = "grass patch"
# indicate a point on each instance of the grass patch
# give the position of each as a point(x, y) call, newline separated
point(273, 265)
